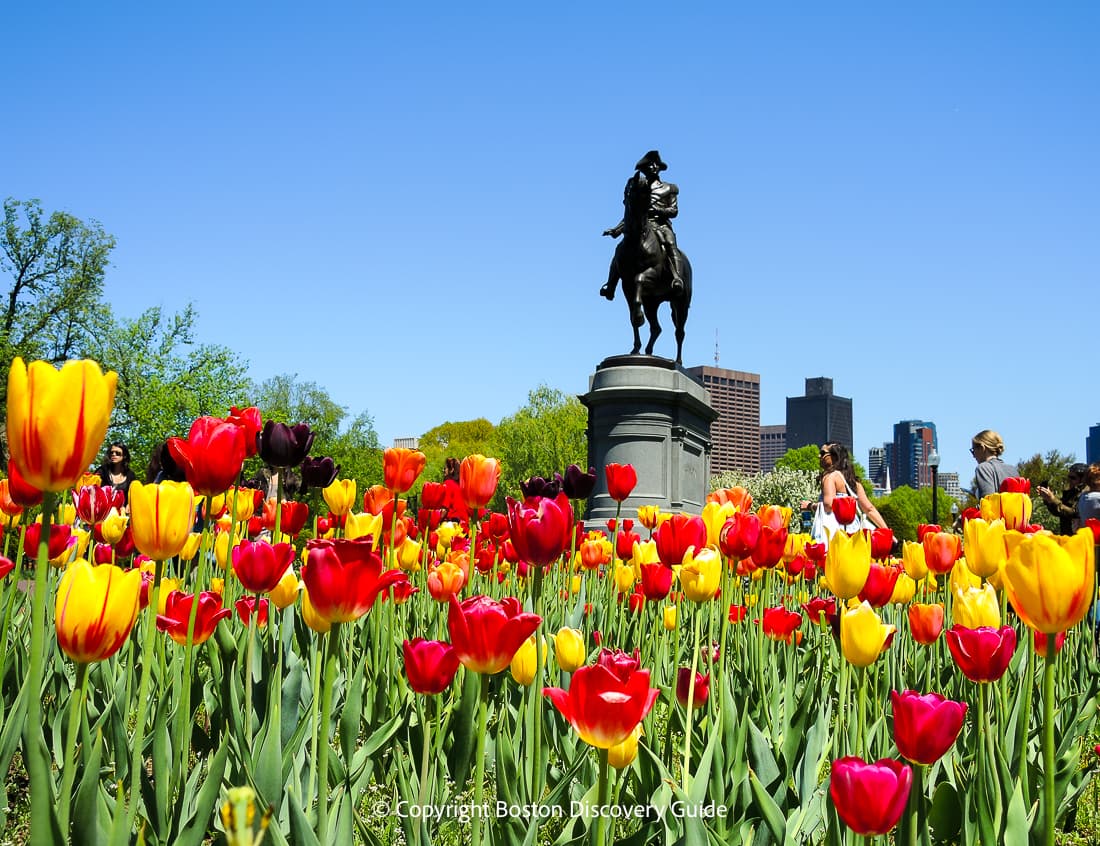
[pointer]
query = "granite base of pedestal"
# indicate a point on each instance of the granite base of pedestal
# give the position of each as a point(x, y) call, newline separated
point(644, 411)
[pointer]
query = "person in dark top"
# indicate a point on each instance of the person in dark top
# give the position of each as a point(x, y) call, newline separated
point(1065, 507)
point(115, 470)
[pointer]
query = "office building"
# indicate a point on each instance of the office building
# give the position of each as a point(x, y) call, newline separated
point(877, 469)
point(951, 484)
point(1092, 445)
point(735, 435)
point(773, 444)
point(914, 441)
point(819, 417)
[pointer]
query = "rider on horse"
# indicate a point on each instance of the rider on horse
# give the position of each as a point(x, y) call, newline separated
point(662, 208)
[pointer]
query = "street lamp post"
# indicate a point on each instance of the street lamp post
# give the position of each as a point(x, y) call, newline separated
point(934, 466)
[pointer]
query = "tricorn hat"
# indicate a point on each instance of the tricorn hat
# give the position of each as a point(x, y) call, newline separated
point(652, 157)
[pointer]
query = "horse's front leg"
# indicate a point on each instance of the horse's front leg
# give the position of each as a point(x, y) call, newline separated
point(654, 326)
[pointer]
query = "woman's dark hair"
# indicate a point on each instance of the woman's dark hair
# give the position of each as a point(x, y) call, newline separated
point(451, 469)
point(125, 454)
point(162, 466)
point(842, 462)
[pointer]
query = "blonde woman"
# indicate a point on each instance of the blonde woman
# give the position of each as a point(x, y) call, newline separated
point(987, 447)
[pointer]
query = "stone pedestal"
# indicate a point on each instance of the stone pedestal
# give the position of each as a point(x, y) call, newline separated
point(643, 411)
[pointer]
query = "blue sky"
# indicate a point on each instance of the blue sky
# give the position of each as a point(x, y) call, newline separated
point(404, 204)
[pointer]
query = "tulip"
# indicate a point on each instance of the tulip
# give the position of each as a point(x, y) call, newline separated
point(282, 445)
point(737, 613)
point(344, 577)
point(770, 546)
point(94, 502)
point(870, 798)
point(445, 580)
point(6, 566)
point(310, 616)
point(656, 581)
point(882, 543)
point(486, 633)
point(880, 584)
point(815, 552)
point(57, 420)
point(624, 578)
point(925, 726)
point(961, 579)
point(522, 665)
point(912, 558)
point(848, 564)
point(1039, 642)
point(982, 654)
point(285, 593)
point(925, 622)
point(622, 755)
point(430, 665)
point(715, 515)
point(644, 552)
point(668, 618)
point(605, 702)
point(820, 611)
point(8, 506)
point(1049, 580)
point(927, 528)
point(578, 484)
point(739, 535)
point(57, 543)
point(977, 607)
point(212, 455)
point(569, 649)
point(844, 509)
point(248, 605)
point(649, 516)
point(260, 565)
point(780, 624)
point(22, 493)
point(737, 496)
point(701, 574)
point(95, 610)
point(941, 551)
point(161, 516)
point(176, 616)
point(1013, 508)
point(401, 467)
point(478, 477)
point(363, 526)
point(112, 527)
point(340, 496)
point(683, 686)
point(540, 528)
point(621, 480)
point(677, 535)
point(318, 472)
point(862, 634)
point(984, 542)
point(904, 590)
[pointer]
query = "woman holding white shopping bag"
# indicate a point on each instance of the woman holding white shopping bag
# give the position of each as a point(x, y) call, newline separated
point(844, 504)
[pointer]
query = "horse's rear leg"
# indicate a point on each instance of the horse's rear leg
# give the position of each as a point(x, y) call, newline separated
point(654, 326)
point(679, 319)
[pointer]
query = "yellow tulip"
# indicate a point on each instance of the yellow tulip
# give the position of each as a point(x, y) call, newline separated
point(340, 496)
point(310, 616)
point(904, 590)
point(1013, 508)
point(961, 578)
point(644, 552)
point(984, 545)
point(624, 578)
point(166, 587)
point(408, 556)
point(701, 574)
point(796, 544)
point(575, 585)
point(848, 563)
point(649, 516)
point(862, 633)
point(750, 600)
point(57, 419)
point(976, 607)
point(221, 549)
point(212, 506)
point(66, 514)
point(715, 515)
point(88, 480)
point(217, 585)
point(95, 609)
point(669, 618)
point(569, 649)
point(242, 503)
point(161, 517)
point(286, 591)
point(622, 755)
point(446, 533)
point(191, 547)
point(113, 526)
point(1049, 580)
point(523, 665)
point(912, 559)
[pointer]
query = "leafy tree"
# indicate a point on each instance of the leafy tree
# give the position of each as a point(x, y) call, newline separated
point(165, 379)
point(545, 436)
point(808, 458)
point(905, 508)
point(53, 269)
point(1052, 471)
point(457, 439)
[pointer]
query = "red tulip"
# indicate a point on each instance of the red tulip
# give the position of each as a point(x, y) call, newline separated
point(972, 513)
point(1039, 642)
point(1015, 484)
point(177, 616)
point(982, 654)
point(606, 701)
point(433, 495)
point(925, 622)
point(540, 528)
point(22, 492)
point(1093, 524)
point(676, 535)
point(769, 546)
point(6, 566)
point(819, 610)
point(880, 584)
point(844, 509)
point(211, 456)
point(699, 695)
point(739, 535)
point(927, 528)
point(780, 624)
point(344, 577)
point(656, 581)
point(816, 552)
point(621, 480)
point(486, 633)
point(941, 551)
point(57, 543)
point(430, 665)
point(737, 613)
point(292, 521)
point(260, 565)
point(925, 726)
point(250, 420)
point(247, 606)
point(870, 798)
point(625, 540)
point(93, 502)
point(882, 543)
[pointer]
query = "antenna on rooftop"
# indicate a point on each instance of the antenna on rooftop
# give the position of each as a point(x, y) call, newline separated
point(715, 347)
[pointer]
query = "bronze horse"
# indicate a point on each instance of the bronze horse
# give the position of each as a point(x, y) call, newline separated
point(647, 280)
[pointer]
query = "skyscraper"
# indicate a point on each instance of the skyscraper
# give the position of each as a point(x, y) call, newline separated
point(876, 466)
point(773, 444)
point(819, 417)
point(735, 435)
point(914, 441)
point(1092, 445)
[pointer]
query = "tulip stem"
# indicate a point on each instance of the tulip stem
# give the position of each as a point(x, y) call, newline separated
point(536, 689)
point(1048, 739)
point(315, 675)
point(691, 699)
point(861, 715)
point(479, 773)
point(137, 764)
point(613, 585)
point(603, 798)
point(425, 734)
point(248, 672)
point(76, 706)
point(332, 649)
point(1024, 718)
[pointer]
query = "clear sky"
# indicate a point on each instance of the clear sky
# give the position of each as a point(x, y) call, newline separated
point(403, 202)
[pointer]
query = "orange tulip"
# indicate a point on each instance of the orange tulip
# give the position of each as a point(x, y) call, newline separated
point(941, 551)
point(57, 419)
point(7, 505)
point(478, 477)
point(376, 499)
point(925, 622)
point(401, 467)
point(740, 498)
